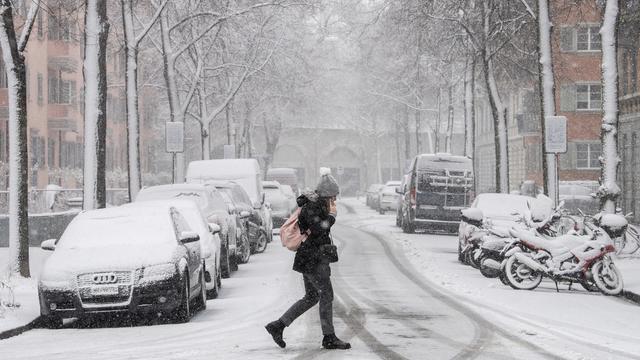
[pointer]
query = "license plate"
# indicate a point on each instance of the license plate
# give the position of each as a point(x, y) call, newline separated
point(104, 290)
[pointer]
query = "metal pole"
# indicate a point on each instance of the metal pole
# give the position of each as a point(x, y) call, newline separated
point(173, 168)
point(556, 187)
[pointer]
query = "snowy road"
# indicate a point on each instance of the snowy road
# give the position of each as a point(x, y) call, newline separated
point(384, 306)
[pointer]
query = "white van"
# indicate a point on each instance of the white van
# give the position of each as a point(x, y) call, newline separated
point(244, 172)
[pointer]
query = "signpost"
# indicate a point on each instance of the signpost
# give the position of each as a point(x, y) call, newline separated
point(174, 142)
point(555, 140)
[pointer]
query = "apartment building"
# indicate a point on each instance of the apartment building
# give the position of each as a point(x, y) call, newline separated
point(54, 60)
point(576, 49)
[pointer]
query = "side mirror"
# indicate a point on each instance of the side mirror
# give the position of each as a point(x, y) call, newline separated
point(244, 214)
point(262, 199)
point(399, 190)
point(48, 245)
point(189, 237)
point(214, 228)
point(472, 216)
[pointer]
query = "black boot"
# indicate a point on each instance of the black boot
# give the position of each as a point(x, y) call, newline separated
point(331, 342)
point(276, 328)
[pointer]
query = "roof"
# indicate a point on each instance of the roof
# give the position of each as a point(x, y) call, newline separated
point(223, 168)
point(282, 171)
point(270, 184)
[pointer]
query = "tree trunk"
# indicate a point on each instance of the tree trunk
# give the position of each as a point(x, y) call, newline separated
point(498, 110)
point(547, 96)
point(609, 189)
point(172, 89)
point(18, 155)
point(396, 138)
point(133, 122)
point(469, 108)
point(449, 139)
point(95, 97)
point(407, 134)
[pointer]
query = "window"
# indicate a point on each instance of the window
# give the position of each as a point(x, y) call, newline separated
point(39, 25)
point(61, 91)
point(589, 97)
point(3, 74)
point(588, 38)
point(587, 156)
point(40, 89)
point(51, 153)
point(59, 28)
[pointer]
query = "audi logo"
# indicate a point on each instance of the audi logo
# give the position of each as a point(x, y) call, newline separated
point(108, 278)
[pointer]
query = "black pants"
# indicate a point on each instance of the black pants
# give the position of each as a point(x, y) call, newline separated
point(317, 287)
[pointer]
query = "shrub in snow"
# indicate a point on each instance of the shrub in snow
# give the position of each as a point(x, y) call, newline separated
point(7, 297)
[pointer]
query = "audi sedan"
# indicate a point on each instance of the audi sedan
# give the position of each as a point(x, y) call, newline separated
point(123, 260)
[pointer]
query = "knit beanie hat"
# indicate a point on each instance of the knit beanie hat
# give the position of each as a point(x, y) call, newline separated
point(328, 186)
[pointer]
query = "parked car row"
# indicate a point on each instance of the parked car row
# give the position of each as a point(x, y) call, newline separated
point(168, 251)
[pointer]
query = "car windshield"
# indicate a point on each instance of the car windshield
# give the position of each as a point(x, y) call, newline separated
point(440, 163)
point(199, 196)
point(496, 206)
point(126, 230)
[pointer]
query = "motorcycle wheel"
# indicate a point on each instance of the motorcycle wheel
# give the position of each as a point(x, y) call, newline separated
point(472, 260)
point(607, 278)
point(486, 271)
point(590, 286)
point(520, 276)
point(503, 278)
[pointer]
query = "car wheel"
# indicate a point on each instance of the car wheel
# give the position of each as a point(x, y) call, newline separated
point(460, 255)
point(213, 293)
point(183, 312)
point(51, 321)
point(381, 210)
point(261, 244)
point(225, 262)
point(245, 250)
point(233, 261)
point(202, 297)
point(408, 227)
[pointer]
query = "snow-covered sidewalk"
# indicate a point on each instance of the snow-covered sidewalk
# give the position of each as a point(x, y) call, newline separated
point(608, 323)
point(25, 291)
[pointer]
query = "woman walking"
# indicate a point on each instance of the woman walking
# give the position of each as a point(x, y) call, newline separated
point(317, 215)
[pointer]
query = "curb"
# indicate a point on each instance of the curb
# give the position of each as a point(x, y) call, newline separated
point(20, 329)
point(631, 296)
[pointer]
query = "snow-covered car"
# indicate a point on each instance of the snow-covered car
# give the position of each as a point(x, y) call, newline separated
point(372, 195)
point(402, 193)
point(285, 176)
point(212, 206)
point(249, 217)
point(291, 196)
point(388, 197)
point(243, 245)
point(209, 238)
point(245, 172)
point(123, 259)
point(499, 210)
point(278, 202)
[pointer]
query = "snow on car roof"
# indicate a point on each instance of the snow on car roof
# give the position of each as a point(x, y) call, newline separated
point(222, 168)
point(270, 185)
point(393, 183)
point(282, 171)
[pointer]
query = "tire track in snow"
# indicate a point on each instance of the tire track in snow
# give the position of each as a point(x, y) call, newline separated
point(483, 325)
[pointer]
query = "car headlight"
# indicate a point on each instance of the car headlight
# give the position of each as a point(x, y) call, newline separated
point(158, 272)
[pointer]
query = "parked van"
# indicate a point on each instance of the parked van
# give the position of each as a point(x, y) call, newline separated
point(285, 176)
point(245, 172)
point(439, 187)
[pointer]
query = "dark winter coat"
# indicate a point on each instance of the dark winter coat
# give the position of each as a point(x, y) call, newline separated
point(314, 216)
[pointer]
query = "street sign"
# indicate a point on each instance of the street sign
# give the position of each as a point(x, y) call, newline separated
point(555, 132)
point(340, 170)
point(174, 137)
point(229, 151)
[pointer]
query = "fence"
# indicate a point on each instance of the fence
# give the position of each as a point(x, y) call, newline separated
point(56, 200)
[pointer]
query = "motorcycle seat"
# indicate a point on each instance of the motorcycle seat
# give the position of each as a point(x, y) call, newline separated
point(556, 246)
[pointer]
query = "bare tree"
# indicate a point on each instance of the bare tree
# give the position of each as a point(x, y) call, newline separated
point(95, 103)
point(609, 189)
point(132, 43)
point(13, 56)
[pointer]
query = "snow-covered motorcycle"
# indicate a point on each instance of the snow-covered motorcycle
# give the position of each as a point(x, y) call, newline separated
point(569, 258)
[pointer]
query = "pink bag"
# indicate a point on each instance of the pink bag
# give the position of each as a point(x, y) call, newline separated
point(290, 232)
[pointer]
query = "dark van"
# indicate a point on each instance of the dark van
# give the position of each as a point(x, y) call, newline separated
point(439, 187)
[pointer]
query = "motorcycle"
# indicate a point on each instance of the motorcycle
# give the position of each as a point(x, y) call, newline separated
point(571, 258)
